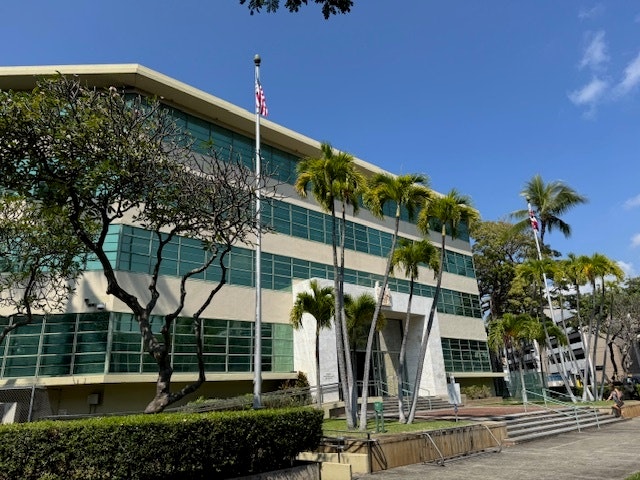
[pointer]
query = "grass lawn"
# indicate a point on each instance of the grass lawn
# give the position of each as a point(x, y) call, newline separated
point(338, 426)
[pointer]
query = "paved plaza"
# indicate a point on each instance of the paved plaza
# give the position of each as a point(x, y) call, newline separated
point(609, 453)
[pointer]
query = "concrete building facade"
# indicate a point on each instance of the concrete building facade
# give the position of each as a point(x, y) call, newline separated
point(90, 358)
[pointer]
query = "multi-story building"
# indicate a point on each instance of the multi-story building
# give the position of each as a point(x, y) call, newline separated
point(90, 358)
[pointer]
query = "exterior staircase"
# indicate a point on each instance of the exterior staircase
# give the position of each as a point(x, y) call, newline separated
point(523, 427)
point(390, 403)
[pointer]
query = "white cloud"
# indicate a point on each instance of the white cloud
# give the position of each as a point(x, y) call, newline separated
point(590, 94)
point(635, 240)
point(632, 202)
point(631, 77)
point(590, 13)
point(595, 55)
point(627, 268)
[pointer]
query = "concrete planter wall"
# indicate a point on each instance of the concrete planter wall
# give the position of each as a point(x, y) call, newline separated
point(390, 451)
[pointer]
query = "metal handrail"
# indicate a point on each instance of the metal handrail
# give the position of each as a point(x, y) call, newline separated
point(553, 393)
point(547, 400)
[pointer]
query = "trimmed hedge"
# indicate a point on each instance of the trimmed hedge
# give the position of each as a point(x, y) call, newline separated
point(165, 446)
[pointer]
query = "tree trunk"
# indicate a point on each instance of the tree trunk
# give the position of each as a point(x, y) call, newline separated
point(427, 332)
point(338, 323)
point(318, 385)
point(372, 329)
point(402, 418)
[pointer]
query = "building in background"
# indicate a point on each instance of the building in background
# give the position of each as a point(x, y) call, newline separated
point(90, 358)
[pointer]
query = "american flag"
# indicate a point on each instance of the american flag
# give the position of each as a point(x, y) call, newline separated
point(534, 220)
point(261, 101)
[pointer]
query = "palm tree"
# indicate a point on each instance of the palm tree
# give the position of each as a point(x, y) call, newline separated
point(598, 266)
point(565, 276)
point(535, 273)
point(359, 312)
point(333, 178)
point(447, 212)
point(508, 333)
point(550, 201)
point(409, 256)
point(405, 191)
point(319, 303)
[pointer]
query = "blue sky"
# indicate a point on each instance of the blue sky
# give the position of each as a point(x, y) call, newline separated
point(479, 95)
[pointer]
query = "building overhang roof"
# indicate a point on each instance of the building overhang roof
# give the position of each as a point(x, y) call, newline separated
point(175, 93)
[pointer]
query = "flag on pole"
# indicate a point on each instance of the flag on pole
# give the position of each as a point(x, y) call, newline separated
point(534, 220)
point(261, 101)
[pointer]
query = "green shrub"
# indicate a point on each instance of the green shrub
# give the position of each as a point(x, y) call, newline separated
point(176, 446)
point(474, 392)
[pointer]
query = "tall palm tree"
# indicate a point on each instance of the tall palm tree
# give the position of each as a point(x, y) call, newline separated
point(509, 333)
point(598, 266)
point(334, 179)
point(535, 273)
point(574, 268)
point(550, 201)
point(564, 277)
point(319, 303)
point(408, 256)
point(446, 213)
point(359, 312)
point(405, 191)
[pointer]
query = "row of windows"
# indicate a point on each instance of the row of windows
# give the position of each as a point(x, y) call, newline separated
point(103, 342)
point(303, 223)
point(461, 355)
point(275, 163)
point(277, 271)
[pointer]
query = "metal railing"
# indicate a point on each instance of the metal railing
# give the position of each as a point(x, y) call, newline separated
point(571, 410)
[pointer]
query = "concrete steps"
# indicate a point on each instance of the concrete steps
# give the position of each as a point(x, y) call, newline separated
point(424, 403)
point(523, 427)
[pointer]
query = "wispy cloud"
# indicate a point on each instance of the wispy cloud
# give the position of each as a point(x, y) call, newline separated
point(631, 77)
point(595, 54)
point(590, 94)
point(591, 13)
point(632, 202)
point(635, 240)
point(627, 268)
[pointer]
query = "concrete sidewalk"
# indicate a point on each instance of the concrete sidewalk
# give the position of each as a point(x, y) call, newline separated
point(611, 452)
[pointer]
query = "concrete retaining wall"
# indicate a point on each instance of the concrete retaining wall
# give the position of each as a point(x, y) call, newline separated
point(390, 451)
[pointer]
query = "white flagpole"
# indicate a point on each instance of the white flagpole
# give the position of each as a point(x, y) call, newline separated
point(562, 371)
point(257, 360)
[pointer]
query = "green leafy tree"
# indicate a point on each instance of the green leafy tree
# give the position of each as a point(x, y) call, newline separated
point(407, 192)
point(329, 7)
point(40, 260)
point(446, 213)
point(333, 179)
point(103, 158)
point(408, 257)
point(319, 303)
point(497, 251)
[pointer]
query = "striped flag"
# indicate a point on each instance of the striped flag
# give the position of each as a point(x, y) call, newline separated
point(534, 220)
point(261, 101)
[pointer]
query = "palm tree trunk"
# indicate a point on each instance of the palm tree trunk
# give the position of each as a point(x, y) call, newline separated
point(427, 332)
point(351, 380)
point(401, 361)
point(318, 384)
point(372, 329)
point(339, 322)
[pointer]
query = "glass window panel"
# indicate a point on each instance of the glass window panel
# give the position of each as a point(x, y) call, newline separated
point(240, 363)
point(215, 363)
